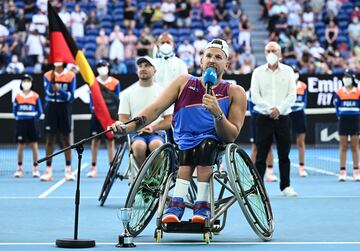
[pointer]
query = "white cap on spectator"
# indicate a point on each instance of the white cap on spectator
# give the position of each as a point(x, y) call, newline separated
point(146, 59)
point(220, 44)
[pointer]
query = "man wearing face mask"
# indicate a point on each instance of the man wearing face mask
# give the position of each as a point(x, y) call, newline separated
point(110, 90)
point(60, 87)
point(27, 109)
point(273, 91)
point(298, 120)
point(347, 103)
point(168, 66)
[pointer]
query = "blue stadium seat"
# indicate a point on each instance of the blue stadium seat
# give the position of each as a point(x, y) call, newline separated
point(90, 38)
point(157, 31)
point(90, 55)
point(90, 47)
point(29, 70)
point(320, 25)
point(131, 66)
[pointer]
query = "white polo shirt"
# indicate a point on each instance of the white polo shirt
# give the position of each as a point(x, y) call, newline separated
point(273, 89)
point(168, 69)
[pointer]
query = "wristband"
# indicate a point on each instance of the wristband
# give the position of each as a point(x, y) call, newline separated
point(219, 117)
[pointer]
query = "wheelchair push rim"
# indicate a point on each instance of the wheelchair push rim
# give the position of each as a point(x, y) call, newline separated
point(145, 192)
point(250, 191)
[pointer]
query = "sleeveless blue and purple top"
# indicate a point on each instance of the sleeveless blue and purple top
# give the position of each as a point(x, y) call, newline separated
point(191, 121)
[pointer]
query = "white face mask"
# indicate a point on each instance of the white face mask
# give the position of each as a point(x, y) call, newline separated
point(103, 71)
point(26, 85)
point(166, 49)
point(347, 82)
point(271, 58)
point(57, 64)
point(296, 76)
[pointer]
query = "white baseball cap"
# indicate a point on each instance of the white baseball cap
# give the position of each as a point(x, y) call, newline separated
point(145, 59)
point(220, 44)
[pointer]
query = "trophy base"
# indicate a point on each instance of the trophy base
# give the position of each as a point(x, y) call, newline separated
point(72, 243)
point(125, 242)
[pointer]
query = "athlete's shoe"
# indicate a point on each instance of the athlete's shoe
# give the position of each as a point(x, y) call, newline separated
point(356, 175)
point(19, 172)
point(271, 178)
point(175, 211)
point(289, 192)
point(342, 176)
point(36, 173)
point(302, 172)
point(92, 173)
point(201, 212)
point(46, 176)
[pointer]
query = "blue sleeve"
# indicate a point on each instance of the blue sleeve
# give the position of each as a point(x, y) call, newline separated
point(91, 104)
point(305, 98)
point(15, 107)
point(39, 108)
point(117, 90)
point(69, 95)
point(336, 104)
point(48, 90)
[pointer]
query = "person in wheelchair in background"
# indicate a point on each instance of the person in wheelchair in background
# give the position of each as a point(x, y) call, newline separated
point(203, 118)
point(133, 100)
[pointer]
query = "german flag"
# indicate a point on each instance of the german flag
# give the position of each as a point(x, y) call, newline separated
point(63, 49)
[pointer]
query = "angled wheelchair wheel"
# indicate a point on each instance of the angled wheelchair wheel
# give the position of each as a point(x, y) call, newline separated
point(112, 173)
point(249, 191)
point(145, 192)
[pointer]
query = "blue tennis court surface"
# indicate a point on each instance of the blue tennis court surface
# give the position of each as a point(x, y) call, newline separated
point(34, 214)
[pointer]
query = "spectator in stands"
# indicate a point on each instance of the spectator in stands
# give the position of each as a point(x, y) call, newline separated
point(39, 22)
point(356, 12)
point(235, 10)
point(331, 34)
point(183, 13)
point(129, 14)
point(247, 56)
point(27, 109)
point(317, 6)
point(354, 61)
point(214, 30)
point(199, 45)
point(65, 17)
point(146, 13)
point(157, 17)
point(298, 120)
point(110, 90)
point(347, 103)
point(354, 31)
point(330, 17)
point(334, 6)
point(186, 52)
point(281, 24)
point(60, 87)
point(34, 46)
point(15, 67)
point(11, 14)
point(101, 7)
point(316, 50)
point(208, 11)
point(244, 39)
point(4, 32)
point(293, 17)
point(134, 99)
point(117, 46)
point(17, 46)
point(130, 41)
point(168, 65)
point(20, 24)
point(78, 19)
point(144, 44)
point(92, 22)
point(29, 8)
point(308, 17)
point(168, 8)
point(221, 12)
point(102, 45)
point(42, 5)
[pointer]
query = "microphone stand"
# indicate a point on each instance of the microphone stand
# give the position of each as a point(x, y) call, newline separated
point(79, 146)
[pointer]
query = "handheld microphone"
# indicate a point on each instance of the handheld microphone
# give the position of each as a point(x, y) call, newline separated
point(209, 78)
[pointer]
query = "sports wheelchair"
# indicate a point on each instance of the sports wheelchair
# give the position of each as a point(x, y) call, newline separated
point(239, 182)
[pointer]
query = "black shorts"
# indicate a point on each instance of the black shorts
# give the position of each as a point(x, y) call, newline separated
point(204, 154)
point(58, 117)
point(95, 126)
point(298, 120)
point(349, 125)
point(27, 130)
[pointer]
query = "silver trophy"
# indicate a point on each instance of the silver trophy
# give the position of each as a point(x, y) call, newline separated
point(125, 239)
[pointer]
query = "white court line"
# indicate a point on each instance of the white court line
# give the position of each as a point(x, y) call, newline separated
point(56, 197)
point(124, 197)
point(334, 160)
point(203, 243)
point(59, 183)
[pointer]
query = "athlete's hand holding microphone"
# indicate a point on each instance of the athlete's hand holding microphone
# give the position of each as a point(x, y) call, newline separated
point(209, 99)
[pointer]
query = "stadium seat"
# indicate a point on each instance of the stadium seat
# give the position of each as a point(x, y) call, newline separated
point(90, 47)
point(29, 70)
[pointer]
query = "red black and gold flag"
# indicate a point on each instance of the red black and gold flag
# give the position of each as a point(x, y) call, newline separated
point(63, 49)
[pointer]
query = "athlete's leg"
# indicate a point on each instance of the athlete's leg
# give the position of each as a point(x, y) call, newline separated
point(343, 150)
point(354, 146)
